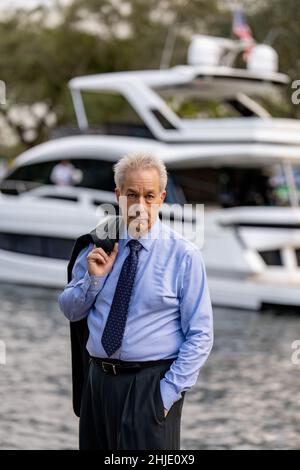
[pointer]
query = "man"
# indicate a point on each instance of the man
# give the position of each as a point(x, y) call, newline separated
point(149, 318)
point(63, 173)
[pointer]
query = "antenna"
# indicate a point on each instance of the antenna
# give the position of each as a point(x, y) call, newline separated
point(168, 47)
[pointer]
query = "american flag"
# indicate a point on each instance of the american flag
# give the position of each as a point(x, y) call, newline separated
point(242, 30)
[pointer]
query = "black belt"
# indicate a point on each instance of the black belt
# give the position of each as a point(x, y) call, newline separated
point(117, 366)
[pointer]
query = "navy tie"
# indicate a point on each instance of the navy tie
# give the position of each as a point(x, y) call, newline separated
point(115, 325)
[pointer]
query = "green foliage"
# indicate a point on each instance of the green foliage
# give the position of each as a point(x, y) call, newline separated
point(39, 56)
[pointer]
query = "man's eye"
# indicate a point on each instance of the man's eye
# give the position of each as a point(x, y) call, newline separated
point(131, 195)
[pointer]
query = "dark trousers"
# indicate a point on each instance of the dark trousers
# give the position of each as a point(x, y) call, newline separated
point(126, 412)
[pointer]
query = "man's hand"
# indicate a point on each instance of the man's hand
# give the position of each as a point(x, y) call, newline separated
point(99, 262)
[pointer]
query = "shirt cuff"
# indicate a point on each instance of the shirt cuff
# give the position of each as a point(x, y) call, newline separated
point(92, 284)
point(168, 394)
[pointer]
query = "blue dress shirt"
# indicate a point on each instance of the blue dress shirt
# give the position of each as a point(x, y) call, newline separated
point(169, 314)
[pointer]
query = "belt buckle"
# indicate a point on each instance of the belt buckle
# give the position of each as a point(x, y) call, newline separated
point(110, 364)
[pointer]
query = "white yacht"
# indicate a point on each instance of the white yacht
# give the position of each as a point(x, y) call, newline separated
point(234, 157)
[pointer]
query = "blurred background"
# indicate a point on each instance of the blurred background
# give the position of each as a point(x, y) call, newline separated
point(211, 87)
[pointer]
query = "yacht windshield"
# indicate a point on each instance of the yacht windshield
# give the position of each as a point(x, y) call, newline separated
point(231, 186)
point(234, 105)
point(90, 173)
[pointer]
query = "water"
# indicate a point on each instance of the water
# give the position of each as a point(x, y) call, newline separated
point(247, 395)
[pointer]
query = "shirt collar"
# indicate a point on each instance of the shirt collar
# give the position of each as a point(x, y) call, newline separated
point(146, 240)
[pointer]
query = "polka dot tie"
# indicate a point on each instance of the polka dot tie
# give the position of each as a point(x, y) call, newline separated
point(115, 325)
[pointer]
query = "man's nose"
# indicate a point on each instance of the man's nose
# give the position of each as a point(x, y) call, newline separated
point(141, 201)
point(139, 208)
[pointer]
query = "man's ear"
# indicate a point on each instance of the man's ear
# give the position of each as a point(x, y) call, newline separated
point(163, 196)
point(117, 193)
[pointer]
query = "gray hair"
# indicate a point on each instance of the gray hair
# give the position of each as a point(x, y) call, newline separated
point(136, 161)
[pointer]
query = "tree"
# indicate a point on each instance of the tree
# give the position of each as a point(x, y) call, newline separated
point(41, 50)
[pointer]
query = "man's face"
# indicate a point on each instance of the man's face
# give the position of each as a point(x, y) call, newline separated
point(140, 199)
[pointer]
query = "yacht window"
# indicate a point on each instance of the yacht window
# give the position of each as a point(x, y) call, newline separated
point(111, 114)
point(104, 108)
point(226, 186)
point(201, 99)
point(298, 256)
point(96, 174)
point(37, 245)
point(271, 257)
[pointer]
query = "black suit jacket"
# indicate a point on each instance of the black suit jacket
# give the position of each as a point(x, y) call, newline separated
point(79, 330)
